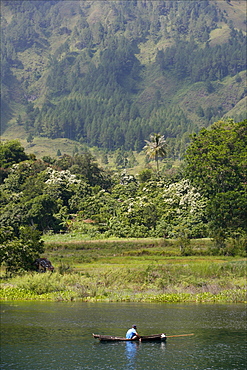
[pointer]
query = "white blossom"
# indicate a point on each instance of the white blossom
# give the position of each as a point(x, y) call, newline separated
point(61, 177)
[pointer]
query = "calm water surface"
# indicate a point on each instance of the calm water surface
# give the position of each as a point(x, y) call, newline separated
point(59, 336)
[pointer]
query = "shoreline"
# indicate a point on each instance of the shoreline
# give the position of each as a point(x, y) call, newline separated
point(225, 296)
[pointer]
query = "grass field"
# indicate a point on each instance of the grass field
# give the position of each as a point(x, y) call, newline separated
point(131, 270)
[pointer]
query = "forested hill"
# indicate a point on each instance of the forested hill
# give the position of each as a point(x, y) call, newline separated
point(109, 73)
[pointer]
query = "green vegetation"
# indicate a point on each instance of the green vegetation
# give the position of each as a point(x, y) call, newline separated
point(73, 202)
point(72, 194)
point(108, 74)
point(216, 164)
point(155, 148)
point(133, 270)
point(19, 248)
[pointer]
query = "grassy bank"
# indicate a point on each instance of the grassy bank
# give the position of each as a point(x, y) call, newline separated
point(130, 270)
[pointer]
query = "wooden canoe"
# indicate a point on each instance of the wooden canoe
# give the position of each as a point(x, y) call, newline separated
point(147, 338)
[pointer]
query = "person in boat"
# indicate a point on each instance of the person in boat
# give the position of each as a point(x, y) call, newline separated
point(132, 333)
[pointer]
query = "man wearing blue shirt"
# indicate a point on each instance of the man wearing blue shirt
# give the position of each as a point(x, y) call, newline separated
point(132, 333)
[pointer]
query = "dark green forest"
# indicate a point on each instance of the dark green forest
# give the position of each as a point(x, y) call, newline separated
point(110, 73)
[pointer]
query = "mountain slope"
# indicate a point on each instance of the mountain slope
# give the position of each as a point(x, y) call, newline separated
point(110, 73)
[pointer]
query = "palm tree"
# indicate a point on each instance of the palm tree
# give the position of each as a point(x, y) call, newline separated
point(156, 148)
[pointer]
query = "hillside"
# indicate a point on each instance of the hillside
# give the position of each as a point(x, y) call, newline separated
point(109, 73)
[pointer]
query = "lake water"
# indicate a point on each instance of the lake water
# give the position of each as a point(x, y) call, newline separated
point(58, 336)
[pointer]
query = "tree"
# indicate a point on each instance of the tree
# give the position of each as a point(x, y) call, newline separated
point(216, 164)
point(30, 138)
point(216, 158)
point(156, 148)
point(228, 211)
point(41, 212)
point(11, 152)
point(19, 252)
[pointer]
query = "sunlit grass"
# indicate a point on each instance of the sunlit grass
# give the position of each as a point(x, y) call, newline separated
point(130, 270)
point(173, 279)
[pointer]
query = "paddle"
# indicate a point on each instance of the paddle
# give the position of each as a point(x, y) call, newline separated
point(179, 335)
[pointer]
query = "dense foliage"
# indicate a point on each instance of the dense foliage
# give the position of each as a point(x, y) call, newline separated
point(73, 194)
point(217, 166)
point(186, 59)
point(18, 252)
point(110, 73)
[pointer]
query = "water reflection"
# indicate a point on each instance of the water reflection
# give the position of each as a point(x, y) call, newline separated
point(163, 345)
point(131, 351)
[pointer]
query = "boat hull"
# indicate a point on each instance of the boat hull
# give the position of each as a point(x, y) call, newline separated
point(143, 338)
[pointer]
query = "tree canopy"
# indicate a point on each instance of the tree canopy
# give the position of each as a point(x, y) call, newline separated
point(19, 252)
point(11, 152)
point(73, 194)
point(217, 158)
point(217, 165)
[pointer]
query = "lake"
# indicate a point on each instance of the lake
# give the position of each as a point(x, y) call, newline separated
point(58, 336)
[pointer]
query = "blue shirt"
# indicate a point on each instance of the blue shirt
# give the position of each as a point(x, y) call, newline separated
point(131, 333)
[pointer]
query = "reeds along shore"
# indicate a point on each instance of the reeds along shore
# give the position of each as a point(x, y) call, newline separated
point(124, 271)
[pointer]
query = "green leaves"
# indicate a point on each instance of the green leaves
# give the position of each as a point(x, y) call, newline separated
point(217, 165)
point(217, 158)
point(75, 194)
point(156, 147)
point(19, 252)
point(11, 152)
point(228, 211)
